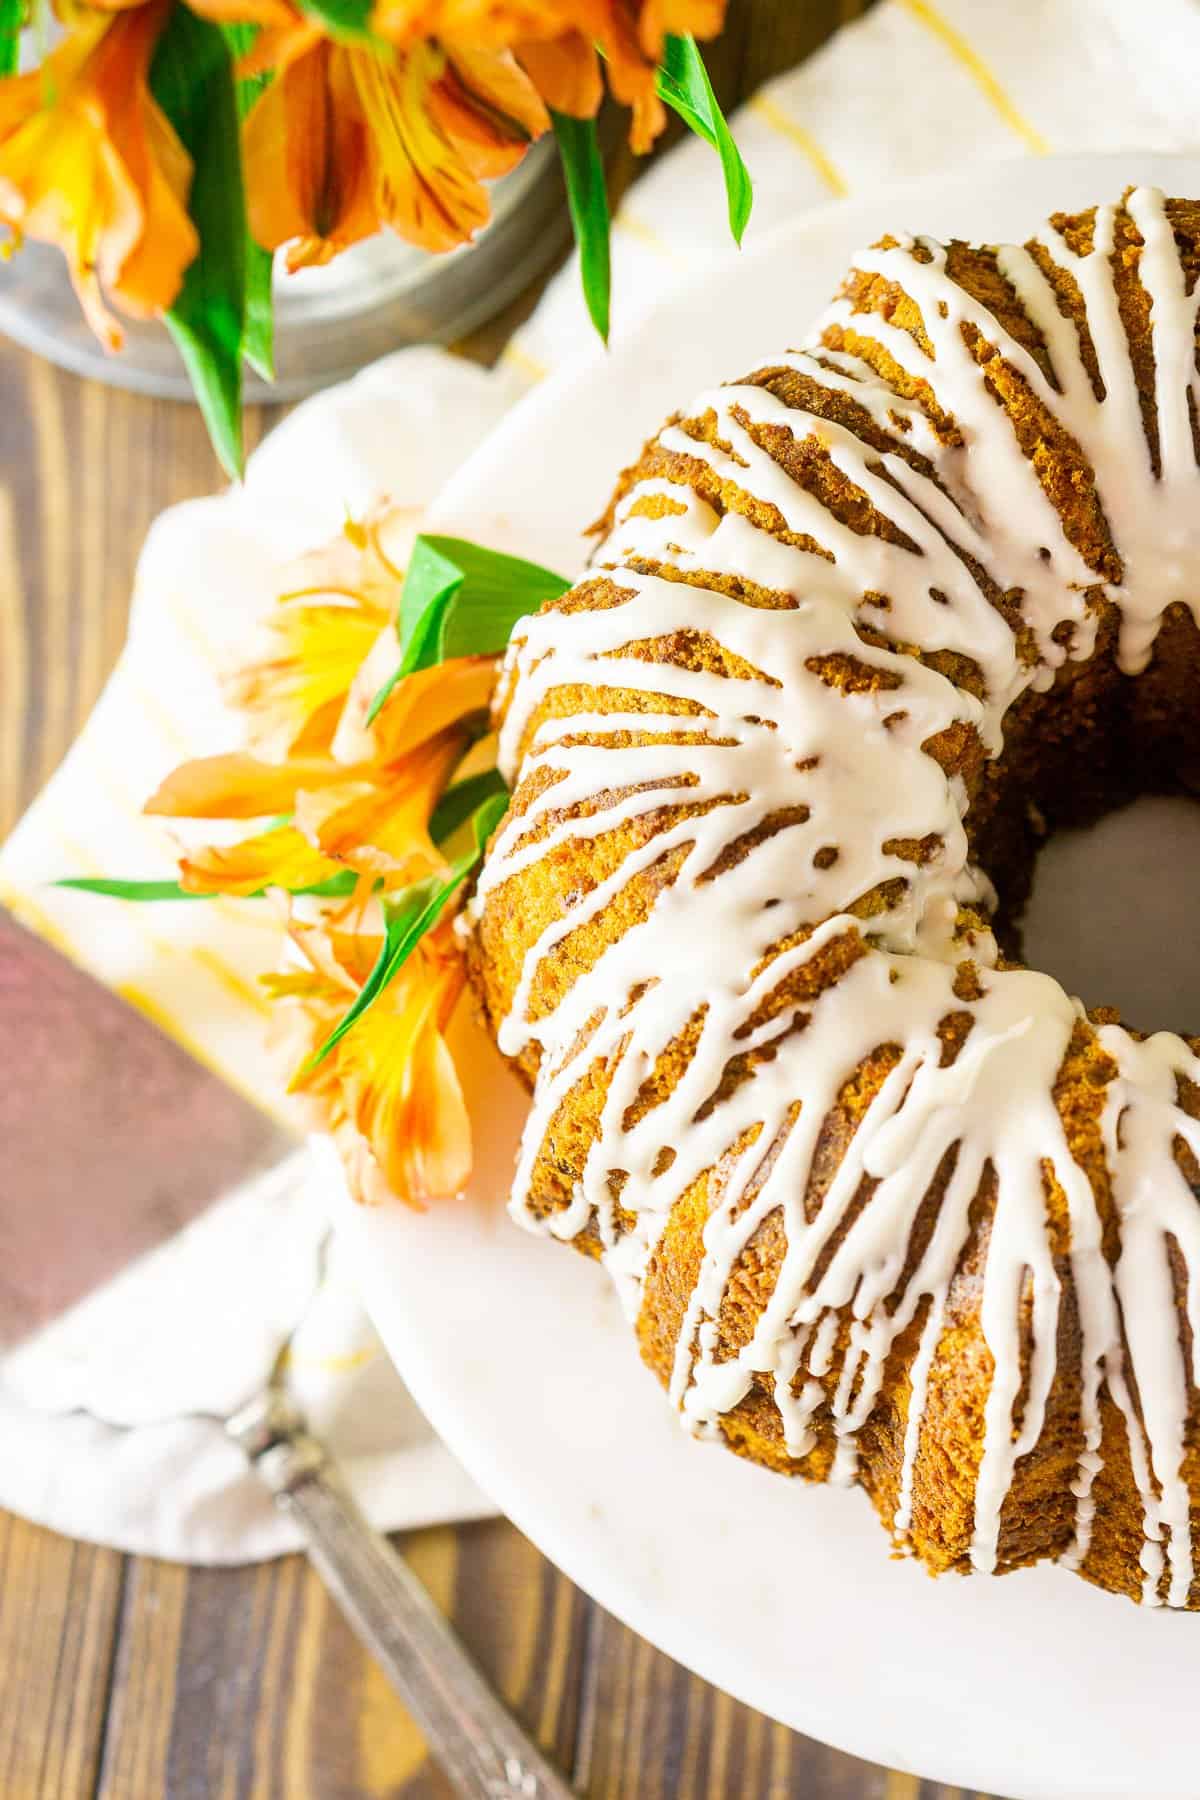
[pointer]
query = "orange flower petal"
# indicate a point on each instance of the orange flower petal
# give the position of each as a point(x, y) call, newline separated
point(430, 1158)
point(631, 76)
point(430, 700)
point(389, 1092)
point(22, 97)
point(488, 108)
point(565, 71)
point(284, 147)
point(401, 1092)
point(498, 82)
point(305, 155)
point(361, 827)
point(649, 118)
point(419, 707)
point(421, 185)
point(278, 46)
point(343, 959)
point(150, 276)
point(381, 824)
point(90, 163)
point(702, 18)
point(632, 41)
point(237, 786)
point(59, 184)
point(281, 858)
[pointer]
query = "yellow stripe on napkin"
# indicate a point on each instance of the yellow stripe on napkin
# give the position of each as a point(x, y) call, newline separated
point(985, 80)
point(772, 114)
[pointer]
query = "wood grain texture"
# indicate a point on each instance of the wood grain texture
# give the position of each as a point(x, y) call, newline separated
point(123, 1678)
point(59, 1607)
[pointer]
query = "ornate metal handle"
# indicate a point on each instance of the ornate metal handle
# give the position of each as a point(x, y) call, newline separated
point(476, 1740)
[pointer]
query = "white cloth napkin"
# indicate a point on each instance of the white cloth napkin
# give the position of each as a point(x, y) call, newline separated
point(86, 1448)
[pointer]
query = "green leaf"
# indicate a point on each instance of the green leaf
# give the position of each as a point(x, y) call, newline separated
point(460, 599)
point(408, 916)
point(683, 83)
point(460, 801)
point(347, 20)
point(381, 697)
point(130, 890)
point(258, 335)
point(431, 581)
point(12, 17)
point(496, 591)
point(333, 887)
point(587, 199)
point(192, 79)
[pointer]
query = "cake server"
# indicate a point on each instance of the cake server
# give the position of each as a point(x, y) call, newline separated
point(112, 1139)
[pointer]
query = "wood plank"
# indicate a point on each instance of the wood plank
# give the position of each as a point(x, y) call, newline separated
point(650, 1729)
point(84, 470)
point(59, 1609)
point(246, 1684)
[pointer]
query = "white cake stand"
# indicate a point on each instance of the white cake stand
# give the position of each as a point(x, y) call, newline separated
point(1033, 1685)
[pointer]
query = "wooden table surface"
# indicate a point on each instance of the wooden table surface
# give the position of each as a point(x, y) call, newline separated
point(128, 1678)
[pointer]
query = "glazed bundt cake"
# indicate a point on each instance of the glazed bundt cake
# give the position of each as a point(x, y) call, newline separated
point(886, 1205)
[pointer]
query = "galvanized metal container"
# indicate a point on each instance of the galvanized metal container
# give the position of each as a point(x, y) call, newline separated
point(379, 296)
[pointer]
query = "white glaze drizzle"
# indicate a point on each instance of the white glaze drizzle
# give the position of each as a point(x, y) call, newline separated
point(784, 738)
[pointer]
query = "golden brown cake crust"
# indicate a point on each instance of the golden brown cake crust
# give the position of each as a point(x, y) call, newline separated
point(843, 464)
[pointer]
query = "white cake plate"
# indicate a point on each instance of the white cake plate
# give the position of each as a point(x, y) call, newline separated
point(785, 1595)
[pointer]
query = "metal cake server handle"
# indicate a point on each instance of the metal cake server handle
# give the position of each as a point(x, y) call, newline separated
point(475, 1738)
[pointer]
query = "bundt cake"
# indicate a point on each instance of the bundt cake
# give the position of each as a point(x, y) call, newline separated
point(885, 1205)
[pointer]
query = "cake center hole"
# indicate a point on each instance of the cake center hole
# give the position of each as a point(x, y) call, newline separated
point(1114, 913)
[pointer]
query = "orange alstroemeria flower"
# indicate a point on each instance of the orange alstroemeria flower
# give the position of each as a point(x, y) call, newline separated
point(238, 786)
point(345, 793)
point(562, 44)
point(357, 796)
point(340, 605)
point(629, 37)
point(388, 1092)
point(294, 699)
point(323, 634)
point(365, 562)
point(282, 858)
point(376, 820)
point(89, 161)
point(417, 707)
point(373, 818)
point(347, 140)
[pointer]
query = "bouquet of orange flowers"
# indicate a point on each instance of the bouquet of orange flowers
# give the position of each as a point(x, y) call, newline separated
point(361, 807)
point(171, 146)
